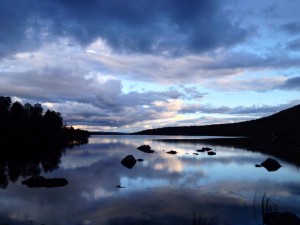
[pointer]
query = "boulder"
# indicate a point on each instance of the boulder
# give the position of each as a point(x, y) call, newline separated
point(258, 165)
point(211, 153)
point(140, 160)
point(40, 181)
point(172, 152)
point(195, 153)
point(145, 148)
point(271, 164)
point(129, 161)
point(200, 150)
point(206, 149)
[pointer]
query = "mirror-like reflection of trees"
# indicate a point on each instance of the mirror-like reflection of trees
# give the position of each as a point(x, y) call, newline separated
point(28, 159)
point(31, 140)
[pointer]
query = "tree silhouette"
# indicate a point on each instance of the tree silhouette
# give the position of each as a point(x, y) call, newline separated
point(19, 121)
point(5, 103)
point(32, 141)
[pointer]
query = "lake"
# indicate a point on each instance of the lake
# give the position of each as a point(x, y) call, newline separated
point(183, 188)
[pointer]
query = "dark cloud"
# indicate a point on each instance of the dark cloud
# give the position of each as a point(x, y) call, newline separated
point(254, 110)
point(20, 28)
point(291, 84)
point(237, 60)
point(293, 45)
point(136, 26)
point(86, 100)
point(292, 27)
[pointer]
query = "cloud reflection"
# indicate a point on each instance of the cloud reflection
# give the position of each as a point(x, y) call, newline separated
point(163, 189)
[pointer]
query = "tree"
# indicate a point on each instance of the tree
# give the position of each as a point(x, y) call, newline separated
point(17, 110)
point(52, 122)
point(5, 103)
point(37, 111)
point(30, 123)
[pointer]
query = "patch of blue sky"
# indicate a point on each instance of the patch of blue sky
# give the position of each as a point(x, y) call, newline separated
point(236, 99)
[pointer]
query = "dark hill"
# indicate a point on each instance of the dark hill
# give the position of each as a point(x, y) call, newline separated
point(285, 123)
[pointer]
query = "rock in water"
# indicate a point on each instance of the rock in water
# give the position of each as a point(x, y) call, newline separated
point(271, 164)
point(172, 152)
point(145, 148)
point(200, 150)
point(39, 181)
point(211, 153)
point(129, 161)
point(281, 218)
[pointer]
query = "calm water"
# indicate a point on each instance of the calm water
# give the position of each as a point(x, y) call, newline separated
point(163, 189)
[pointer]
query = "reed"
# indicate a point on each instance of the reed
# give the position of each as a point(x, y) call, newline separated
point(268, 205)
point(199, 220)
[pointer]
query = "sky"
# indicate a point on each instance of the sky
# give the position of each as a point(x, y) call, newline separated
point(132, 65)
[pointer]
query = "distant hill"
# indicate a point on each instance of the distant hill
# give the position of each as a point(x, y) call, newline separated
point(106, 133)
point(285, 123)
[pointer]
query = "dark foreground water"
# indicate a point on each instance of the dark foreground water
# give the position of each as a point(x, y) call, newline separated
point(163, 189)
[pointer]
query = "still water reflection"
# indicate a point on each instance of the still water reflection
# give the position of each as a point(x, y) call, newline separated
point(162, 189)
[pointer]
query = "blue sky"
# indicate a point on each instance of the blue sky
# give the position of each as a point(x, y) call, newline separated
point(132, 65)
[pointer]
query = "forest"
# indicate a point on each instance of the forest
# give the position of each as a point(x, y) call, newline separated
point(30, 123)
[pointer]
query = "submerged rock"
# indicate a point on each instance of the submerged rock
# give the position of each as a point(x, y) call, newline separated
point(129, 161)
point(40, 181)
point(258, 165)
point(119, 186)
point(271, 164)
point(195, 153)
point(145, 148)
point(140, 160)
point(172, 152)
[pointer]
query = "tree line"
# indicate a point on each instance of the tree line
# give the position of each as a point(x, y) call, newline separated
point(28, 122)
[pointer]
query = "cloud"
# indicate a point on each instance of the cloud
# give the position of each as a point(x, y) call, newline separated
point(252, 111)
point(82, 58)
point(248, 60)
point(292, 83)
point(263, 84)
point(293, 45)
point(291, 27)
point(100, 103)
point(192, 68)
point(91, 100)
point(159, 27)
point(21, 29)
point(48, 83)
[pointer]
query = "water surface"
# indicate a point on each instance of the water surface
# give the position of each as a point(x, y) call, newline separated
point(163, 189)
